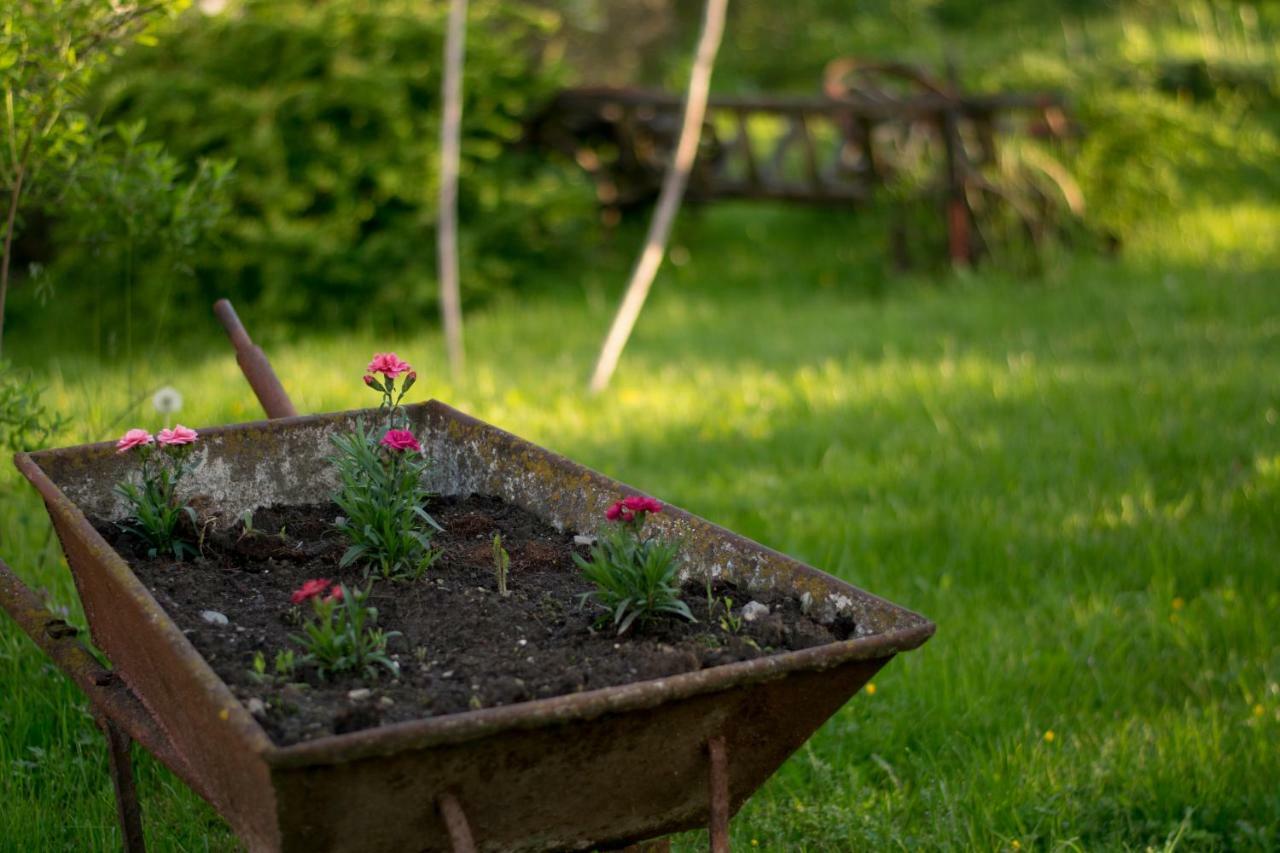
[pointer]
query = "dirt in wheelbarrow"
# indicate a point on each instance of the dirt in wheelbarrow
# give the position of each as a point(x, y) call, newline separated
point(461, 645)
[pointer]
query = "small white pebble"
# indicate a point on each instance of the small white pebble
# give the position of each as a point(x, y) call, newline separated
point(359, 694)
point(386, 701)
point(523, 643)
point(447, 674)
point(753, 610)
point(617, 645)
point(584, 540)
point(213, 617)
point(256, 706)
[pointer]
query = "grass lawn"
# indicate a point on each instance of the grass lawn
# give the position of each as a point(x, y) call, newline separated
point(1077, 478)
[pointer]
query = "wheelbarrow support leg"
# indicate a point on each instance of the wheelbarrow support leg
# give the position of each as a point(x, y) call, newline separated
point(128, 809)
point(455, 820)
point(719, 794)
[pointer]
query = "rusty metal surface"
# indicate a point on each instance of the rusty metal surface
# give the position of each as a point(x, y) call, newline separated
point(213, 738)
point(574, 785)
point(110, 698)
point(254, 364)
point(455, 821)
point(603, 767)
point(718, 780)
point(875, 124)
point(128, 810)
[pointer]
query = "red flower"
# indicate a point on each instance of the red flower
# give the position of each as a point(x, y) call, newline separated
point(401, 440)
point(335, 593)
point(628, 508)
point(388, 364)
point(310, 589)
point(637, 504)
point(618, 511)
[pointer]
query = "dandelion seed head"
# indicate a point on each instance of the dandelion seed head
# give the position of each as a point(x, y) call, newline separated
point(167, 400)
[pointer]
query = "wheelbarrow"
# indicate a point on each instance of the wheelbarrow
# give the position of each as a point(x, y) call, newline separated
point(601, 769)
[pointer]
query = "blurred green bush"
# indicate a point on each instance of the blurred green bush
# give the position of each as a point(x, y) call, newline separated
point(331, 113)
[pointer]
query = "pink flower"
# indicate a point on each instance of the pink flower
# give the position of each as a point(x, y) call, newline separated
point(619, 512)
point(628, 508)
point(134, 438)
point(310, 589)
point(637, 504)
point(388, 364)
point(370, 381)
point(176, 436)
point(335, 593)
point(401, 440)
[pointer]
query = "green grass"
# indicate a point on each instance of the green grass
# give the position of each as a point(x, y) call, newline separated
point(1077, 478)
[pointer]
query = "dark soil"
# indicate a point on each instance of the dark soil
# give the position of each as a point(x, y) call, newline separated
point(461, 645)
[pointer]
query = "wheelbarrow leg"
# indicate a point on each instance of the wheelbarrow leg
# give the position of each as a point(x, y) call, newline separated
point(455, 820)
point(719, 778)
point(128, 809)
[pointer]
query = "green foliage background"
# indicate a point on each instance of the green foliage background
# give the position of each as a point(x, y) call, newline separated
point(331, 113)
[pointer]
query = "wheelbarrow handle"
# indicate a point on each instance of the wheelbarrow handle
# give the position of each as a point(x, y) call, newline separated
point(254, 364)
point(112, 700)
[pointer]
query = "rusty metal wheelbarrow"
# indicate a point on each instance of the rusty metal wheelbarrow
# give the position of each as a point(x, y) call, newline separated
point(604, 768)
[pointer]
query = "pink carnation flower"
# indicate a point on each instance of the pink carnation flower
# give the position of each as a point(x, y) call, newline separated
point(388, 364)
point(628, 508)
point(401, 440)
point(310, 589)
point(638, 504)
point(178, 435)
point(335, 593)
point(618, 511)
point(134, 438)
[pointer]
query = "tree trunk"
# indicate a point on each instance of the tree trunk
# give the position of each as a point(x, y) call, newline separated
point(20, 173)
point(673, 186)
point(447, 226)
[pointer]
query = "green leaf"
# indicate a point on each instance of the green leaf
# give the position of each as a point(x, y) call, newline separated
point(352, 554)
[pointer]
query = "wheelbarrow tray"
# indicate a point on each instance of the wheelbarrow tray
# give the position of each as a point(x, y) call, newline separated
point(599, 768)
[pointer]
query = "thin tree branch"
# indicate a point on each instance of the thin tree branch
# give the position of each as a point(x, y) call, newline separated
point(673, 186)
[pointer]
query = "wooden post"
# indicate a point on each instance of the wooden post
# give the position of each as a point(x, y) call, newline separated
point(673, 186)
point(447, 225)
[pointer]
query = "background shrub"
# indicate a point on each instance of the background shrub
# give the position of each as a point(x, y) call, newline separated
point(331, 113)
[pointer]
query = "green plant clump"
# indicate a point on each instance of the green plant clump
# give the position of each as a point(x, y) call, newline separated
point(342, 634)
point(380, 489)
point(157, 509)
point(635, 578)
